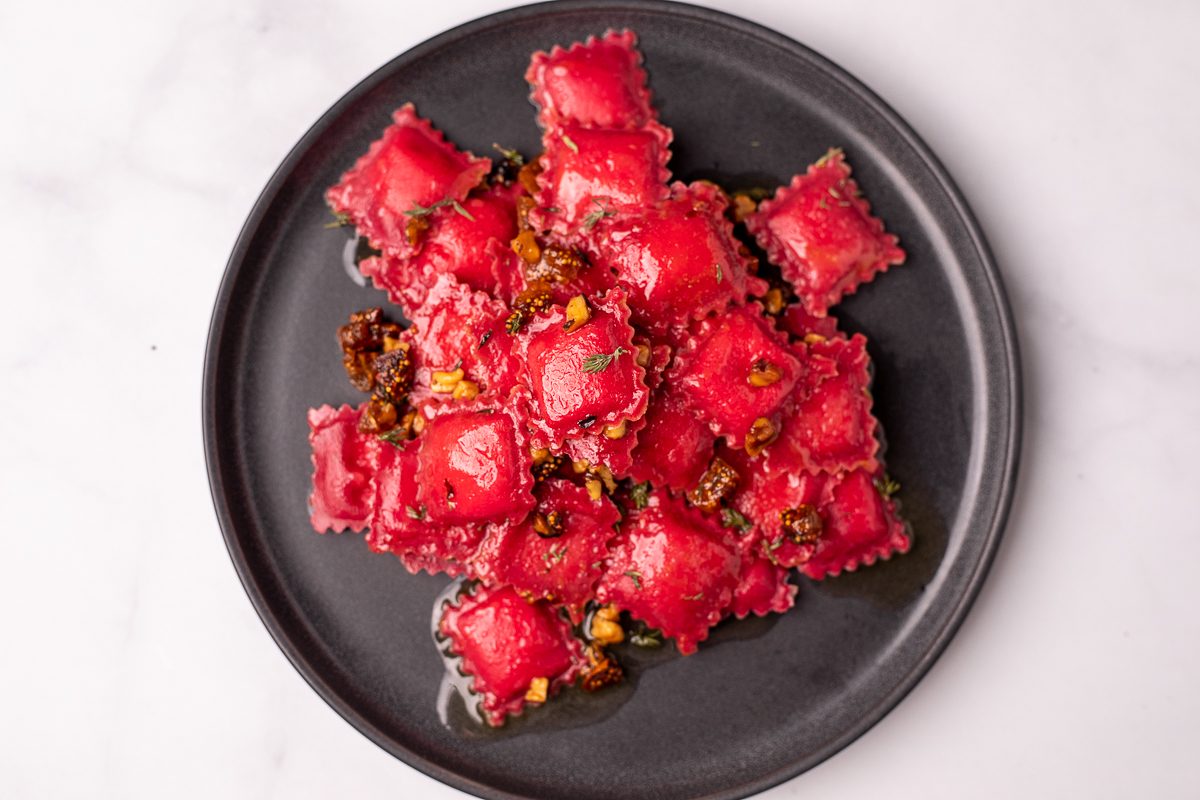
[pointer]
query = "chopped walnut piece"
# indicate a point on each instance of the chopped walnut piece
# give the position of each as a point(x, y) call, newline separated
point(716, 484)
point(773, 301)
point(533, 300)
point(444, 382)
point(415, 228)
point(764, 373)
point(743, 205)
point(606, 626)
point(615, 431)
point(761, 434)
point(577, 313)
point(537, 690)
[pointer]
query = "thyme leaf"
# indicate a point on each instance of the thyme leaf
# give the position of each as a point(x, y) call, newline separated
point(593, 217)
point(414, 513)
point(720, 274)
point(639, 493)
point(634, 576)
point(510, 155)
point(732, 518)
point(598, 362)
point(340, 220)
point(886, 486)
point(569, 143)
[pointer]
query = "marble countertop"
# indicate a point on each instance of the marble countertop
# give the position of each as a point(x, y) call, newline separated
point(138, 135)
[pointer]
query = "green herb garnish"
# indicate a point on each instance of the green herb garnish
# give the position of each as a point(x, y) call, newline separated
point(732, 518)
point(886, 486)
point(634, 576)
point(510, 155)
point(419, 210)
point(720, 274)
point(639, 493)
point(593, 217)
point(340, 220)
point(396, 436)
point(567, 141)
point(414, 513)
point(598, 362)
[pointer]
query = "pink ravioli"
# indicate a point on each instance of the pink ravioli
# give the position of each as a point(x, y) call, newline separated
point(591, 174)
point(461, 244)
point(673, 569)
point(460, 327)
point(473, 464)
point(562, 569)
point(598, 83)
point(401, 524)
point(861, 527)
point(762, 589)
point(820, 231)
point(831, 428)
point(343, 488)
point(679, 260)
point(410, 167)
point(505, 642)
point(675, 446)
point(714, 371)
point(584, 380)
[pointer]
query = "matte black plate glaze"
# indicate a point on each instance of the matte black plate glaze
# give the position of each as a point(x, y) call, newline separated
point(765, 699)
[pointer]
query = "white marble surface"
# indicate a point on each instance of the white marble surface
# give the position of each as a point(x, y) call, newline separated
point(136, 137)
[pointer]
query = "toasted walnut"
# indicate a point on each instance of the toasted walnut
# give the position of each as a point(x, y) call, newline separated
point(444, 382)
point(378, 416)
point(801, 524)
point(415, 228)
point(764, 373)
point(577, 313)
point(360, 369)
point(605, 475)
point(595, 488)
point(615, 431)
point(761, 434)
point(642, 357)
point(526, 246)
point(465, 390)
point(743, 205)
point(813, 338)
point(606, 627)
point(537, 690)
point(550, 526)
point(394, 374)
point(418, 424)
point(718, 482)
point(773, 301)
point(602, 670)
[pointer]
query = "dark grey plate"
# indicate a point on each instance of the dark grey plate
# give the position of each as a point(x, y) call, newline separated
point(765, 699)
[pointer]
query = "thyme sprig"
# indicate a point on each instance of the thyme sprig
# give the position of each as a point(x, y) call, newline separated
point(598, 362)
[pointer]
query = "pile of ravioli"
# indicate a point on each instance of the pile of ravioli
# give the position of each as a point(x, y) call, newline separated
point(601, 414)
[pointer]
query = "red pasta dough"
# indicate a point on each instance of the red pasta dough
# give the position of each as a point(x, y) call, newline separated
point(598, 83)
point(820, 231)
point(506, 643)
point(343, 490)
point(673, 569)
point(600, 418)
point(410, 168)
